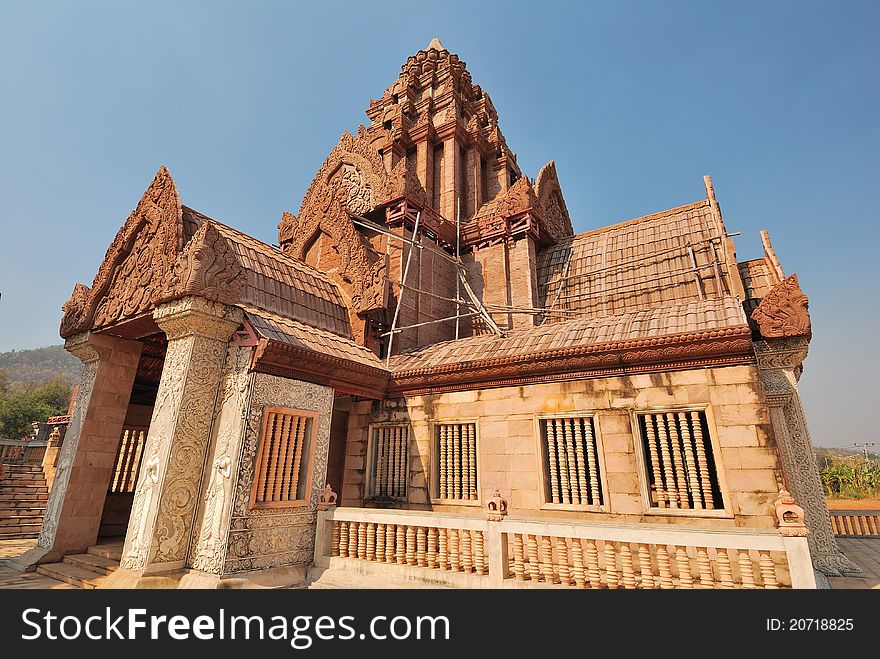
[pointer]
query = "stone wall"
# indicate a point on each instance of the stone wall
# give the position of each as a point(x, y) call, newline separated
point(509, 455)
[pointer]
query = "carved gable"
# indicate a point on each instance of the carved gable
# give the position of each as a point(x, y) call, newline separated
point(551, 204)
point(352, 180)
point(784, 311)
point(129, 281)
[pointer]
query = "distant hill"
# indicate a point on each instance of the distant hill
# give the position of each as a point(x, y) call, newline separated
point(41, 364)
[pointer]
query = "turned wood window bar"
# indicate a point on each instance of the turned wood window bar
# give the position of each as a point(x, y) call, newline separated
point(679, 461)
point(128, 460)
point(389, 461)
point(283, 459)
point(571, 461)
point(456, 459)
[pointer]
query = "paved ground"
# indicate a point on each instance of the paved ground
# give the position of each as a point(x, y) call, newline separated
point(864, 552)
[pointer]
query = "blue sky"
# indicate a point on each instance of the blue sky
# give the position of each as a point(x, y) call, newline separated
point(635, 101)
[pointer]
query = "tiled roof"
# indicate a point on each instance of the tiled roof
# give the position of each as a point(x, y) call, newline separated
point(758, 279)
point(290, 332)
point(635, 265)
point(279, 284)
point(674, 318)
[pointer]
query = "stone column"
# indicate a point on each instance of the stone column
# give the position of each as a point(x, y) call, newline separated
point(166, 496)
point(85, 465)
point(779, 364)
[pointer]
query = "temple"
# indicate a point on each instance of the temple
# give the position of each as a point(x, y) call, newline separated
point(432, 379)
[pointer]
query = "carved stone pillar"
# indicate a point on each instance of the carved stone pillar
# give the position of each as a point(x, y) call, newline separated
point(167, 492)
point(85, 464)
point(779, 363)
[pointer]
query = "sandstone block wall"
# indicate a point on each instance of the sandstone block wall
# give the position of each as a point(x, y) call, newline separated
point(510, 457)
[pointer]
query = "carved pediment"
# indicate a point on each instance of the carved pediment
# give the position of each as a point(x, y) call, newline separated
point(351, 180)
point(518, 198)
point(208, 268)
point(551, 203)
point(784, 311)
point(129, 281)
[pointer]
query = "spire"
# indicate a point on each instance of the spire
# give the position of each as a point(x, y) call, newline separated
point(435, 44)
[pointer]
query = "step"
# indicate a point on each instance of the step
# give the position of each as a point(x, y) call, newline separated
point(24, 489)
point(16, 523)
point(93, 563)
point(72, 574)
point(111, 550)
point(14, 504)
point(23, 475)
point(15, 467)
point(19, 535)
point(21, 513)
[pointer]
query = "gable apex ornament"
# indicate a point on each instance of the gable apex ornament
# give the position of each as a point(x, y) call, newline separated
point(784, 311)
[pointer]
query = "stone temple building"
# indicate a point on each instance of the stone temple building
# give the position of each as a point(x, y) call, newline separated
point(433, 379)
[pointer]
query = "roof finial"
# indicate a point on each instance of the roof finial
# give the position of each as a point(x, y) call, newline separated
point(435, 44)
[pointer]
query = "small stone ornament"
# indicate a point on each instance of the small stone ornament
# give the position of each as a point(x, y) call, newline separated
point(496, 507)
point(327, 500)
point(791, 516)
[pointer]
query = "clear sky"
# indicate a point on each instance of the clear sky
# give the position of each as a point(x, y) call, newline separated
point(242, 101)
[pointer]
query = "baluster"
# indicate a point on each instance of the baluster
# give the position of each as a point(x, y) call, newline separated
point(379, 483)
point(421, 542)
point(404, 463)
point(677, 462)
point(645, 567)
point(380, 543)
point(689, 461)
point(702, 462)
point(611, 573)
point(669, 482)
point(592, 464)
point(626, 566)
point(519, 568)
point(480, 553)
point(564, 464)
point(266, 457)
point(725, 576)
point(467, 558)
point(532, 552)
point(140, 440)
point(121, 457)
point(390, 533)
point(443, 555)
point(594, 573)
point(454, 551)
point(371, 541)
point(659, 484)
point(353, 539)
point(768, 570)
point(562, 562)
point(282, 479)
point(465, 465)
point(393, 459)
point(443, 461)
point(685, 578)
point(334, 540)
point(746, 571)
point(362, 540)
point(574, 476)
point(551, 457)
point(664, 568)
point(400, 545)
point(578, 572)
point(456, 461)
point(410, 545)
point(704, 566)
point(432, 548)
point(297, 458)
point(343, 539)
point(472, 450)
point(580, 463)
point(545, 556)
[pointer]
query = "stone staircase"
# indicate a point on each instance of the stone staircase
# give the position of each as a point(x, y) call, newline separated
point(23, 496)
point(87, 570)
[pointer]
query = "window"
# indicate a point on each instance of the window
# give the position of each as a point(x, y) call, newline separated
point(283, 470)
point(389, 462)
point(680, 466)
point(571, 461)
point(128, 460)
point(456, 461)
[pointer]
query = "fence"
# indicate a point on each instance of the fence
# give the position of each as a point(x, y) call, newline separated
point(471, 552)
point(16, 451)
point(856, 523)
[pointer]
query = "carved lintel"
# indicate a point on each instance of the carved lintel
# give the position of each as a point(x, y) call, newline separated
point(208, 268)
point(783, 312)
point(81, 346)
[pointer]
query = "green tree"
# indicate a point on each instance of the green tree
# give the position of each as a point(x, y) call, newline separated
point(4, 381)
point(18, 410)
